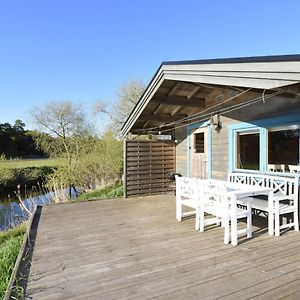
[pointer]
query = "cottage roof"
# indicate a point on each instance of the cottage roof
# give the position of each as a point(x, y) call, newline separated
point(183, 88)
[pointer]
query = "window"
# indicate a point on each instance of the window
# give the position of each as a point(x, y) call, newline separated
point(220, 98)
point(283, 148)
point(232, 94)
point(248, 150)
point(199, 142)
point(267, 145)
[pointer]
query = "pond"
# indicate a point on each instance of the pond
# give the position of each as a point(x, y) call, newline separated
point(13, 213)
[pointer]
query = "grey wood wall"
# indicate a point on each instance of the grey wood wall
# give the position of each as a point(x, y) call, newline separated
point(181, 151)
point(271, 108)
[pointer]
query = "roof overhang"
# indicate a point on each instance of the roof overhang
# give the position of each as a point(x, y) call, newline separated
point(260, 73)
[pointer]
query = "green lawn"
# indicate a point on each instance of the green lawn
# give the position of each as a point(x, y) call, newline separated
point(10, 244)
point(26, 163)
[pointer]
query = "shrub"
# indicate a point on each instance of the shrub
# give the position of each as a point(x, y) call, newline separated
point(99, 163)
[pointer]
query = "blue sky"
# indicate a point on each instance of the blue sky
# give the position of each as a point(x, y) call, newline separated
point(85, 50)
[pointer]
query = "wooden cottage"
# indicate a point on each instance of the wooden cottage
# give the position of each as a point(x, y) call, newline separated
point(222, 115)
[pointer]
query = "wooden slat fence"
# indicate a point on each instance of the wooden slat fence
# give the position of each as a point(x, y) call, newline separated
point(146, 167)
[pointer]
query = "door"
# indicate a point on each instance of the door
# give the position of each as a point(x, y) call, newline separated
point(198, 153)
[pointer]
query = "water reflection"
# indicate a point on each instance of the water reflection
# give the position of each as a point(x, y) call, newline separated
point(12, 213)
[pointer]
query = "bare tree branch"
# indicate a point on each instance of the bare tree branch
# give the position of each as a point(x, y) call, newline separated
point(127, 97)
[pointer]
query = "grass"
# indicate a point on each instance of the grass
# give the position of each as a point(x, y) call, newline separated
point(26, 163)
point(10, 244)
point(109, 192)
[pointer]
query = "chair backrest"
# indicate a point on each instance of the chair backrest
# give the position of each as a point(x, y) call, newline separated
point(246, 178)
point(281, 185)
point(216, 195)
point(294, 169)
point(276, 167)
point(186, 187)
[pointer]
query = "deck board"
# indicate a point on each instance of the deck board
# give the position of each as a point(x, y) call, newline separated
point(135, 249)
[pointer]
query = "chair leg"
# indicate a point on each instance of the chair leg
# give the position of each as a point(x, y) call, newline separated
point(234, 240)
point(270, 223)
point(201, 221)
point(249, 221)
point(197, 221)
point(249, 224)
point(226, 231)
point(270, 214)
point(178, 209)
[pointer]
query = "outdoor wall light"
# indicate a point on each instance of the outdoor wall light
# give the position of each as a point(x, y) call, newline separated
point(217, 124)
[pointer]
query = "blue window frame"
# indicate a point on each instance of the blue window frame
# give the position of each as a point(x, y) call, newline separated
point(262, 127)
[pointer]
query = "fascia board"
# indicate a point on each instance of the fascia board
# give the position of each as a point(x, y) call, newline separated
point(146, 97)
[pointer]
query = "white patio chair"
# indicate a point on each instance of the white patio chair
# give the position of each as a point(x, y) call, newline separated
point(276, 167)
point(285, 201)
point(216, 202)
point(285, 197)
point(294, 169)
point(186, 195)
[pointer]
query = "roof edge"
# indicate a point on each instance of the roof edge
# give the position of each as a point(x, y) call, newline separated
point(247, 59)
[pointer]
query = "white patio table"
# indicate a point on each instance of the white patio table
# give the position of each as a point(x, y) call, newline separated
point(239, 194)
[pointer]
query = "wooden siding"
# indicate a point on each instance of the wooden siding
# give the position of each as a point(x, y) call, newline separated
point(135, 249)
point(220, 156)
point(220, 146)
point(220, 150)
point(147, 165)
point(181, 151)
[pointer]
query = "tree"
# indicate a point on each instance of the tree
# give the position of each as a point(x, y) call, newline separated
point(19, 125)
point(65, 128)
point(15, 141)
point(64, 120)
point(127, 97)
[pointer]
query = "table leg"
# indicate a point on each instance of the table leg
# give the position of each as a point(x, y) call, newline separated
point(249, 220)
point(270, 214)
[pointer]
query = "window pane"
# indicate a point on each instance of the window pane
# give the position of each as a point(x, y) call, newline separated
point(283, 147)
point(199, 142)
point(248, 151)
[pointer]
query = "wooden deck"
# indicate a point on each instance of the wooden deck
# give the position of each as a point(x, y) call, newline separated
point(135, 249)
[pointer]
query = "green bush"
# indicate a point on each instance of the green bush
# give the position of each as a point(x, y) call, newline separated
point(103, 163)
point(10, 244)
point(109, 192)
point(99, 162)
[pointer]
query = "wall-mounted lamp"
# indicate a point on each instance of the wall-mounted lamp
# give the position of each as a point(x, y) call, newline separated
point(217, 123)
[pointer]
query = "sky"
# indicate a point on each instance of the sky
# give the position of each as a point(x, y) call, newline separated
point(85, 50)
